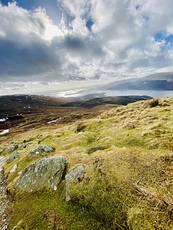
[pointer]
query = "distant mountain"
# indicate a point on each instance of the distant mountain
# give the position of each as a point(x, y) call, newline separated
point(118, 100)
point(159, 81)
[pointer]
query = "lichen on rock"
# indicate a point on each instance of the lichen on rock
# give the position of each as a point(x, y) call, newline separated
point(40, 150)
point(76, 173)
point(45, 172)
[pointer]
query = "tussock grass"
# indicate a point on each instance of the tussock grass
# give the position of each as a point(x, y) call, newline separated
point(128, 185)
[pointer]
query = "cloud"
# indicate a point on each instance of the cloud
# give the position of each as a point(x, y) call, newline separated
point(94, 39)
point(159, 15)
point(27, 60)
point(25, 50)
point(124, 33)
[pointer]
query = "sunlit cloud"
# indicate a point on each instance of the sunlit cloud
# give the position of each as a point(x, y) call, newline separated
point(93, 40)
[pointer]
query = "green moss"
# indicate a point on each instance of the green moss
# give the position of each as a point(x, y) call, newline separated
point(89, 208)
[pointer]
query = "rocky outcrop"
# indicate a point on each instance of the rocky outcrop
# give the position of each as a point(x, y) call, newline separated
point(45, 172)
point(13, 156)
point(76, 173)
point(40, 150)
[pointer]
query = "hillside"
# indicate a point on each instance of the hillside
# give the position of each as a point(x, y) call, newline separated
point(159, 81)
point(20, 113)
point(127, 155)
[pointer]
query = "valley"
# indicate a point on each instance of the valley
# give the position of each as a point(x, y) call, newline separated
point(20, 113)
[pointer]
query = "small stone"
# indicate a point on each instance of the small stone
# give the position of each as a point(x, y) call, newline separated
point(14, 168)
point(45, 148)
point(40, 150)
point(12, 147)
point(13, 156)
point(23, 146)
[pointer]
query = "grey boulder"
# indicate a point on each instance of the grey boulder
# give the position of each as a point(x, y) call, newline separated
point(45, 172)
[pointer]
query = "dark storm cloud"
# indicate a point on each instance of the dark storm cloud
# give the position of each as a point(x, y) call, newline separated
point(22, 60)
point(74, 43)
point(84, 45)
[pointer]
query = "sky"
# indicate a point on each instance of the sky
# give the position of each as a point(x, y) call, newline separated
point(65, 44)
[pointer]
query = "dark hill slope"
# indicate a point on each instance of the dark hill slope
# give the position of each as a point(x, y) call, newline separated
point(24, 112)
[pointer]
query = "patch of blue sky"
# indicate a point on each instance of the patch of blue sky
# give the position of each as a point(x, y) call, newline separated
point(162, 36)
point(5, 2)
point(50, 5)
point(89, 24)
point(23, 3)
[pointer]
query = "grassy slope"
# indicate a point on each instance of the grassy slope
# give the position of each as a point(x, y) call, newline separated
point(127, 186)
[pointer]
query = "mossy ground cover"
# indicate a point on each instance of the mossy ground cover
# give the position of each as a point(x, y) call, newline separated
point(83, 211)
point(128, 185)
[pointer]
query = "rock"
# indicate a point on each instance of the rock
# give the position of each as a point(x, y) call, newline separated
point(40, 150)
point(13, 156)
point(14, 168)
point(23, 146)
point(76, 173)
point(45, 148)
point(2, 161)
point(45, 172)
point(94, 149)
point(1, 175)
point(12, 147)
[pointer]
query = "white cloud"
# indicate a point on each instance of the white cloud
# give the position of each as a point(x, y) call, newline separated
point(18, 23)
point(160, 15)
point(94, 39)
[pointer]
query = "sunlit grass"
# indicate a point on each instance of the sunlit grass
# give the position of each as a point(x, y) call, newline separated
point(128, 185)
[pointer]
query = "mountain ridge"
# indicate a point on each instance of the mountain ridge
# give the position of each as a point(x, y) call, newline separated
point(159, 81)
